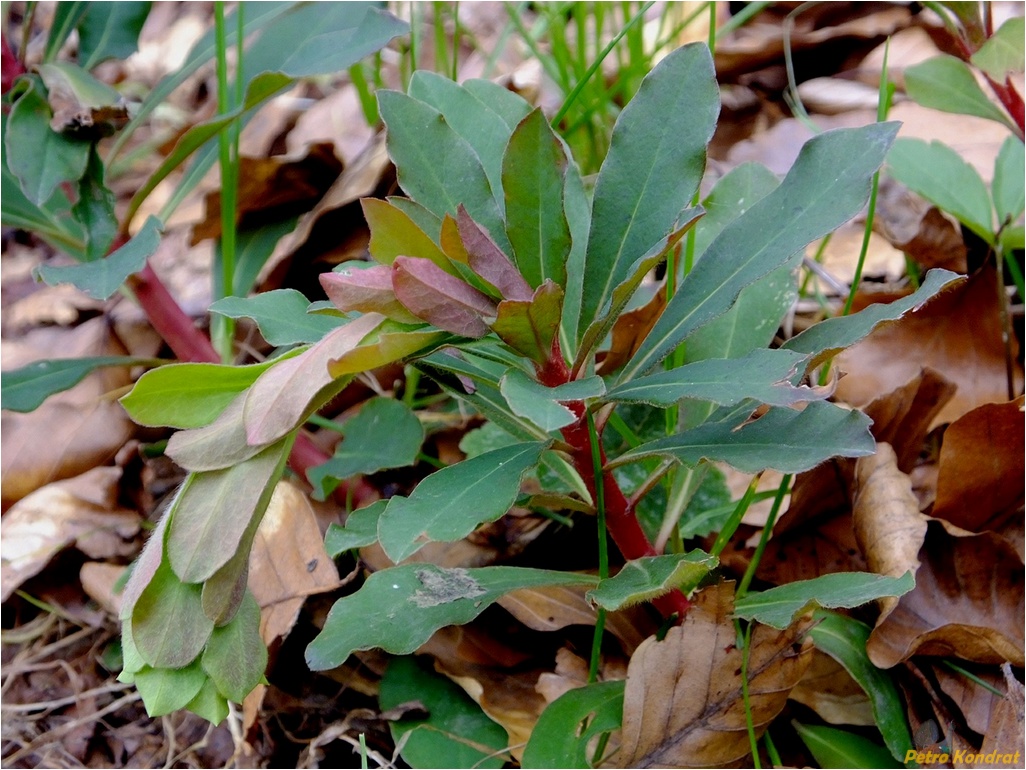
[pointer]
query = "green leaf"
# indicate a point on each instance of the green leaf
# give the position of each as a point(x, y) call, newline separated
point(102, 277)
point(94, 209)
point(778, 607)
point(1004, 51)
point(533, 178)
point(764, 375)
point(948, 84)
point(535, 402)
point(282, 316)
point(235, 657)
point(209, 704)
point(110, 31)
point(939, 174)
point(832, 335)
point(218, 445)
point(484, 129)
point(24, 389)
point(644, 579)
point(435, 165)
point(165, 690)
point(398, 609)
point(828, 185)
point(394, 233)
point(456, 733)
point(360, 530)
point(252, 250)
point(834, 748)
point(529, 326)
point(37, 155)
point(782, 439)
point(215, 508)
point(1008, 189)
point(508, 105)
point(567, 725)
point(384, 434)
point(656, 160)
point(188, 395)
point(68, 81)
point(66, 17)
point(844, 639)
point(168, 625)
point(391, 341)
point(451, 502)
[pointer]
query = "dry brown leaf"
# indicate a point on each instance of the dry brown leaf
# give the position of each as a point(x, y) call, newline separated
point(683, 706)
point(918, 229)
point(829, 690)
point(885, 514)
point(98, 579)
point(967, 603)
point(982, 466)
point(82, 510)
point(957, 334)
point(1005, 734)
point(333, 119)
point(973, 700)
point(630, 331)
point(288, 562)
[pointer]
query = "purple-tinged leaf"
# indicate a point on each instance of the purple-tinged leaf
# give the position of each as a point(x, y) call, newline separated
point(530, 326)
point(281, 397)
point(488, 261)
point(441, 299)
point(368, 290)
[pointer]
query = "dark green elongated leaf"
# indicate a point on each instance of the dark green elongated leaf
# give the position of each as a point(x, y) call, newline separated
point(530, 326)
point(259, 89)
point(168, 625)
point(482, 128)
point(451, 502)
point(252, 250)
point(782, 439)
point(535, 402)
point(188, 395)
point(764, 375)
point(39, 157)
point(398, 609)
point(436, 166)
point(577, 206)
point(213, 512)
point(361, 530)
point(566, 726)
point(1008, 185)
point(281, 315)
point(844, 639)
point(456, 732)
point(834, 748)
point(209, 704)
point(26, 388)
point(235, 657)
point(642, 580)
point(828, 337)
point(656, 160)
point(65, 18)
point(1004, 51)
point(110, 31)
point(533, 179)
point(947, 84)
point(600, 328)
point(828, 184)
point(939, 174)
point(779, 606)
point(385, 434)
point(165, 690)
point(94, 209)
point(509, 106)
point(101, 278)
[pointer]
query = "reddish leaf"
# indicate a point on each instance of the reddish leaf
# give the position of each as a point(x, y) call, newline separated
point(434, 296)
point(529, 326)
point(488, 261)
point(368, 291)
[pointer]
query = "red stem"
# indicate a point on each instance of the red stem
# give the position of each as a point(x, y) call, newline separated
point(12, 66)
point(621, 520)
point(1011, 100)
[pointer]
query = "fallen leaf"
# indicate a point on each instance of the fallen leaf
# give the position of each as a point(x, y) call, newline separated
point(288, 562)
point(829, 690)
point(981, 466)
point(967, 603)
point(958, 334)
point(919, 229)
point(1005, 735)
point(82, 511)
point(973, 700)
point(683, 705)
point(98, 579)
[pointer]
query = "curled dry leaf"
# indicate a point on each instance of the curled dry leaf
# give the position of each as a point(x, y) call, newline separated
point(82, 511)
point(683, 705)
point(1005, 734)
point(967, 603)
point(829, 690)
point(981, 467)
point(888, 525)
point(973, 700)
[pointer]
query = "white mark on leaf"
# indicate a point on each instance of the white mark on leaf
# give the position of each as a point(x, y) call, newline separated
point(442, 586)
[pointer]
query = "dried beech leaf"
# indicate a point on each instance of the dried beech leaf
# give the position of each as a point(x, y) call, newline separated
point(829, 690)
point(967, 603)
point(981, 466)
point(683, 705)
point(1005, 734)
